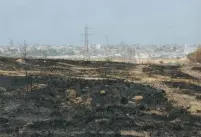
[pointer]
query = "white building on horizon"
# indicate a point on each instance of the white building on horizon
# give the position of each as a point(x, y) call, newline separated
point(98, 46)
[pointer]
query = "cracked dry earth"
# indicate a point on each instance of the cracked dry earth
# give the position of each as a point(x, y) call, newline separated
point(61, 106)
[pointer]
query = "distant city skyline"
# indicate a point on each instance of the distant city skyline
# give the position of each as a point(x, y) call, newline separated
point(111, 21)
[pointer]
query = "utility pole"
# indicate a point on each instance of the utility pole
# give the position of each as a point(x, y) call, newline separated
point(87, 38)
point(86, 35)
point(26, 67)
point(11, 43)
point(24, 50)
point(106, 45)
point(10, 48)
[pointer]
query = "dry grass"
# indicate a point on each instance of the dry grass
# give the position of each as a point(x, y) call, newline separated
point(183, 60)
point(195, 57)
point(20, 60)
point(195, 107)
point(131, 133)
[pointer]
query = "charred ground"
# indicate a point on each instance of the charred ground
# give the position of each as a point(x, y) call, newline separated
point(62, 98)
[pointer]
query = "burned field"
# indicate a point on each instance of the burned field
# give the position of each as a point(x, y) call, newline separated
point(93, 99)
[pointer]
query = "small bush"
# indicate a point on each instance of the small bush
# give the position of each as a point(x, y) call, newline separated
point(108, 60)
point(5, 59)
point(195, 57)
point(161, 62)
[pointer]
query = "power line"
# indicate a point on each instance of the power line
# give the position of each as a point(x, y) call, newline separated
point(11, 42)
point(86, 35)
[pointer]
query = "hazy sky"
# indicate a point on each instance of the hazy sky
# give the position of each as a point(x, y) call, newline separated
point(131, 21)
